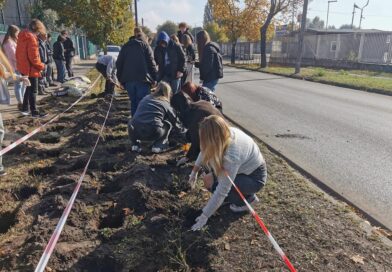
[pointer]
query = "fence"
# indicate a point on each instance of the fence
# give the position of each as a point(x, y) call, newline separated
point(354, 50)
point(84, 48)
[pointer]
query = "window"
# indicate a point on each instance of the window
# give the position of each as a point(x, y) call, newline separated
point(333, 46)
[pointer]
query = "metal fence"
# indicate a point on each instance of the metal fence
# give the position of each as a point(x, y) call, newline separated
point(322, 49)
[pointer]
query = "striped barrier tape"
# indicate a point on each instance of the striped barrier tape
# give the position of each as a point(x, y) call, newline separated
point(60, 225)
point(264, 228)
point(35, 131)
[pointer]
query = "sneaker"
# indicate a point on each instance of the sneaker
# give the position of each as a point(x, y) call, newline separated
point(160, 149)
point(25, 113)
point(3, 173)
point(39, 114)
point(136, 148)
point(244, 208)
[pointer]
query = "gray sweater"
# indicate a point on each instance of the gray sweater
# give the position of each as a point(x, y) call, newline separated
point(242, 156)
point(153, 111)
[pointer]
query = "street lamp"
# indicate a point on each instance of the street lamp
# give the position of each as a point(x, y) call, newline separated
point(360, 20)
point(352, 20)
point(329, 2)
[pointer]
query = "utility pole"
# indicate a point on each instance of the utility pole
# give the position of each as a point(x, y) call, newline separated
point(360, 20)
point(301, 37)
point(352, 20)
point(142, 21)
point(329, 2)
point(136, 20)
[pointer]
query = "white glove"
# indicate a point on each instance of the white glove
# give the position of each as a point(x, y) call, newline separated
point(201, 221)
point(192, 179)
point(26, 81)
point(182, 161)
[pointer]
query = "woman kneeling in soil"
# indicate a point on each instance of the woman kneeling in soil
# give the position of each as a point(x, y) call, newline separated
point(153, 120)
point(228, 150)
point(197, 93)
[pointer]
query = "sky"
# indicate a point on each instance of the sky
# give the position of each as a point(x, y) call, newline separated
point(377, 14)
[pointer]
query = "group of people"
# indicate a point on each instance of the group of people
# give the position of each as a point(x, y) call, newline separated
point(164, 99)
point(26, 59)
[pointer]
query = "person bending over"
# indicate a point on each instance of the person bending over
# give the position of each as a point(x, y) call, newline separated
point(227, 151)
point(106, 65)
point(197, 93)
point(153, 120)
point(191, 114)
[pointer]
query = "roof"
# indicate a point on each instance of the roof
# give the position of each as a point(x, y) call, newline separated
point(344, 31)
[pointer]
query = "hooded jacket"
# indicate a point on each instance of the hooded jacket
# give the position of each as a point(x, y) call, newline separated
point(28, 61)
point(176, 57)
point(211, 66)
point(180, 35)
point(136, 62)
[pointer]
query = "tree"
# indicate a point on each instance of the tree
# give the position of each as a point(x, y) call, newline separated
point(104, 21)
point(148, 32)
point(316, 23)
point(275, 7)
point(208, 15)
point(169, 27)
point(347, 26)
point(48, 16)
point(238, 20)
point(217, 34)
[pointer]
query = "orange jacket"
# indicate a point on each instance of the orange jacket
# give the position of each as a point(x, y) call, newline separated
point(28, 61)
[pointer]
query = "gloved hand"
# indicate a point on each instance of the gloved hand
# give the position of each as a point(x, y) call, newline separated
point(192, 179)
point(182, 161)
point(26, 81)
point(201, 221)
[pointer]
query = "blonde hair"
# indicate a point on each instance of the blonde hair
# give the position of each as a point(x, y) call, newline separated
point(202, 38)
point(214, 135)
point(175, 39)
point(163, 91)
point(5, 66)
point(37, 26)
point(186, 40)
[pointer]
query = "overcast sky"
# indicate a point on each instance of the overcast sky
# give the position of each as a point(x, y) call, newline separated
point(378, 14)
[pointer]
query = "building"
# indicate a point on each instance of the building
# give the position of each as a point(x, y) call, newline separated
point(16, 12)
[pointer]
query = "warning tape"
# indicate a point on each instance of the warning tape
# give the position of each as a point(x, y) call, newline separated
point(264, 228)
point(35, 131)
point(60, 225)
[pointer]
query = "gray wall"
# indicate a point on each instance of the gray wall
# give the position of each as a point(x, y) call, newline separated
point(10, 14)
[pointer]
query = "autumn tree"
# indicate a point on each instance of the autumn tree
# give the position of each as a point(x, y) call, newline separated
point(104, 21)
point(169, 27)
point(238, 20)
point(217, 33)
point(275, 7)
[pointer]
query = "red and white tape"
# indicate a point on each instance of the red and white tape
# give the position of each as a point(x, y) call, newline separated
point(264, 228)
point(35, 131)
point(60, 225)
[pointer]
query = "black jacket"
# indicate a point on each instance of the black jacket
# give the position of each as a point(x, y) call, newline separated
point(176, 57)
point(49, 51)
point(58, 51)
point(43, 54)
point(211, 65)
point(69, 48)
point(136, 62)
point(190, 53)
point(180, 35)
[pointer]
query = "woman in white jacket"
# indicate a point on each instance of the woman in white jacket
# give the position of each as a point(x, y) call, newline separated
point(228, 152)
point(6, 74)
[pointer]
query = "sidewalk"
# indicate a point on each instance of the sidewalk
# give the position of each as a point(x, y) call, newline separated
point(11, 111)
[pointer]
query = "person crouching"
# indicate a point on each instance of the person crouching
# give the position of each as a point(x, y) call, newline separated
point(106, 65)
point(229, 152)
point(153, 120)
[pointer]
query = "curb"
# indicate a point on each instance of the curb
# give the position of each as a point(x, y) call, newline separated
point(371, 90)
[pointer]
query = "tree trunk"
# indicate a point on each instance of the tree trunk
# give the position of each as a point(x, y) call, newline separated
point(232, 60)
point(263, 46)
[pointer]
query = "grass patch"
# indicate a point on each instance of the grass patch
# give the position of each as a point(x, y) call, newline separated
point(357, 79)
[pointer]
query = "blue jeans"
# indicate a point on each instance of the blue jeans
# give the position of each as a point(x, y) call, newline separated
point(1, 141)
point(60, 65)
point(136, 92)
point(211, 84)
point(175, 84)
point(20, 89)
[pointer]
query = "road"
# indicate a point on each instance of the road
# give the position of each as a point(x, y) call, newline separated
point(341, 136)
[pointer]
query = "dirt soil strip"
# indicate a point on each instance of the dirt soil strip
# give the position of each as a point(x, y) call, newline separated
point(134, 211)
point(35, 131)
point(57, 232)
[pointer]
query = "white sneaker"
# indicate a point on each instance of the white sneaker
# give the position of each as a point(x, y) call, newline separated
point(25, 113)
point(136, 148)
point(238, 209)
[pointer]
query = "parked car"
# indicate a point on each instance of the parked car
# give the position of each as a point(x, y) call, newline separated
point(113, 50)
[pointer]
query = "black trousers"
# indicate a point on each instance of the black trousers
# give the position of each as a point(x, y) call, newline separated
point(29, 98)
point(68, 66)
point(146, 132)
point(109, 85)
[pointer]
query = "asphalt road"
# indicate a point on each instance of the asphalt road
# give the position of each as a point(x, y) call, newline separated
point(341, 136)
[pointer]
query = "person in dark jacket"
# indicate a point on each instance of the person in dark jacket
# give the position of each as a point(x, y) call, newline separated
point(191, 114)
point(136, 68)
point(170, 59)
point(49, 66)
point(43, 54)
point(210, 60)
point(190, 59)
point(197, 93)
point(69, 52)
point(153, 120)
point(59, 58)
point(183, 30)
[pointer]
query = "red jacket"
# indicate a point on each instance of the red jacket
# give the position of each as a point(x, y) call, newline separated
point(28, 61)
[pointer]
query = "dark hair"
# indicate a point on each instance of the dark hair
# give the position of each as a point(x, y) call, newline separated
point(64, 32)
point(186, 40)
point(60, 38)
point(37, 26)
point(180, 102)
point(11, 33)
point(202, 38)
point(49, 35)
